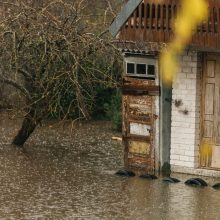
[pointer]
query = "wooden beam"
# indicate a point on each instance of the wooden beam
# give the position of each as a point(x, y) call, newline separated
point(123, 16)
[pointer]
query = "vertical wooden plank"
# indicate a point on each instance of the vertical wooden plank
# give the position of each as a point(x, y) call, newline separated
point(156, 17)
point(135, 26)
point(150, 34)
point(172, 18)
point(153, 8)
point(139, 31)
point(154, 23)
point(145, 21)
point(167, 37)
point(217, 4)
point(212, 18)
point(160, 24)
point(130, 22)
point(142, 15)
point(207, 33)
point(209, 98)
point(212, 36)
point(163, 22)
point(145, 15)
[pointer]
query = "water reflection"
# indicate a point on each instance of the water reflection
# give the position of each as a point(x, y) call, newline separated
point(69, 175)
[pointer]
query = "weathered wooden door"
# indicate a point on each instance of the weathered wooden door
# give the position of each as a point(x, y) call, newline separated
point(139, 124)
point(210, 155)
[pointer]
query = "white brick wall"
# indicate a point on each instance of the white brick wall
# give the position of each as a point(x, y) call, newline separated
point(185, 128)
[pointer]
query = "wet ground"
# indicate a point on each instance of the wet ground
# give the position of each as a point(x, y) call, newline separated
point(66, 172)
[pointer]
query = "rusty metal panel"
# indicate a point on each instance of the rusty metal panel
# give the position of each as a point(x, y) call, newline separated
point(139, 148)
point(139, 109)
point(135, 82)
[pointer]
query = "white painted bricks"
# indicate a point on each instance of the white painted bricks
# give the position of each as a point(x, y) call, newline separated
point(185, 127)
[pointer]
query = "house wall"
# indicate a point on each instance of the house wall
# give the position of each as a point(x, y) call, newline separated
point(185, 117)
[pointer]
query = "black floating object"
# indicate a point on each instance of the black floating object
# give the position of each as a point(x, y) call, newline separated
point(216, 186)
point(125, 173)
point(203, 182)
point(171, 180)
point(148, 176)
point(196, 182)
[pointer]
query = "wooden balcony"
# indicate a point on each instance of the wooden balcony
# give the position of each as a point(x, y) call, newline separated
point(153, 21)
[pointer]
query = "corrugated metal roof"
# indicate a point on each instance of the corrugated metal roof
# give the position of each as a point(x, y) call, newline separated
point(140, 47)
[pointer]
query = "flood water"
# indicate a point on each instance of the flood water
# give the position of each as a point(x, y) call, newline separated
point(67, 172)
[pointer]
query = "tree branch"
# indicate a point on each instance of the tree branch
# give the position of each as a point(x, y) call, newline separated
point(17, 86)
point(25, 73)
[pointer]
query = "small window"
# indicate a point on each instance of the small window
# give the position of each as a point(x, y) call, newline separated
point(151, 70)
point(130, 68)
point(141, 69)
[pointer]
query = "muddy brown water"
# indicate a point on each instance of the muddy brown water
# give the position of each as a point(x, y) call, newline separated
point(69, 174)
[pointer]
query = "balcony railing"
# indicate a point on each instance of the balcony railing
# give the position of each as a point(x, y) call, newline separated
point(153, 21)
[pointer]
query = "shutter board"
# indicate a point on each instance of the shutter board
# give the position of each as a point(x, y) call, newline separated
point(208, 129)
point(211, 68)
point(209, 98)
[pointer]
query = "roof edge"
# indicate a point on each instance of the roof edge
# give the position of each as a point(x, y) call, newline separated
point(123, 16)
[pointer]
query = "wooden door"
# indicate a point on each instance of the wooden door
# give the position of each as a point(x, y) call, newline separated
point(210, 154)
point(139, 124)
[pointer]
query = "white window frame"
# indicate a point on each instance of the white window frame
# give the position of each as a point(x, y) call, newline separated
point(140, 60)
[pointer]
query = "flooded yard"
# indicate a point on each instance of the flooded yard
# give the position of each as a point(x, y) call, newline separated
point(67, 172)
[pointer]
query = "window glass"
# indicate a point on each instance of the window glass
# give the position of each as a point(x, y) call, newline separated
point(130, 68)
point(151, 70)
point(141, 69)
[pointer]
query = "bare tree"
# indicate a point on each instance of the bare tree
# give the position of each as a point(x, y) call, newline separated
point(54, 56)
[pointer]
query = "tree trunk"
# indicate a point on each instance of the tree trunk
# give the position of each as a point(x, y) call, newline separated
point(28, 126)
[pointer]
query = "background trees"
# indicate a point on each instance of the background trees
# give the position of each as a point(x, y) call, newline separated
point(54, 54)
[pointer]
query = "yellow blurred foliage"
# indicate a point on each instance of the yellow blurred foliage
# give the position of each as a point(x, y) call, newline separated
point(206, 152)
point(168, 60)
point(192, 13)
